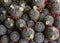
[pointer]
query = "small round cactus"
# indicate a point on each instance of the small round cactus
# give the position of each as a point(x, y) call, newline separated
point(6, 3)
point(48, 20)
point(9, 23)
point(15, 36)
point(39, 27)
point(28, 34)
point(34, 15)
point(42, 16)
point(4, 39)
point(16, 10)
point(20, 23)
point(39, 37)
point(56, 8)
point(52, 33)
point(57, 21)
point(46, 11)
point(3, 30)
point(40, 3)
point(3, 15)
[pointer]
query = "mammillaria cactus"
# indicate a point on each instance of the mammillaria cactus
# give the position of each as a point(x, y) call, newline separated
point(4, 39)
point(57, 21)
point(28, 34)
point(14, 36)
point(3, 30)
point(9, 23)
point(48, 20)
point(39, 37)
point(39, 27)
point(16, 10)
point(56, 8)
point(42, 16)
point(46, 11)
point(3, 14)
point(6, 3)
point(20, 23)
point(40, 3)
point(52, 34)
point(34, 15)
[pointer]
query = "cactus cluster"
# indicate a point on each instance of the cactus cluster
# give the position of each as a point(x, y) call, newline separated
point(29, 21)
